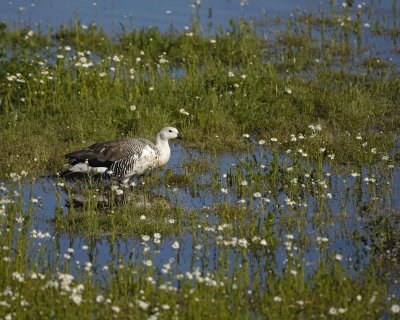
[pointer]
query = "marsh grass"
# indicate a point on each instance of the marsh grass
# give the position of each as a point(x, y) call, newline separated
point(97, 210)
point(137, 288)
point(66, 88)
point(281, 204)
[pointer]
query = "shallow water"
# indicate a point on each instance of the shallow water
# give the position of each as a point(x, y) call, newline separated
point(350, 197)
point(123, 16)
point(139, 14)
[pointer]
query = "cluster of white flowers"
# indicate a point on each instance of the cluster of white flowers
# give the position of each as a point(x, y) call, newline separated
point(38, 234)
point(183, 111)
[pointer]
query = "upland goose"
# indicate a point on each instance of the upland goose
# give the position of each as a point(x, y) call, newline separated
point(123, 158)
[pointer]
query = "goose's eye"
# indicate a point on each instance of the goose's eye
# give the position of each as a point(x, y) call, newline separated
point(170, 130)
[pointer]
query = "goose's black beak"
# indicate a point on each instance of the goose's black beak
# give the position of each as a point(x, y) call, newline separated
point(179, 137)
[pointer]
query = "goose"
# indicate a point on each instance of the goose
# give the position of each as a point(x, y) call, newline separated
point(123, 158)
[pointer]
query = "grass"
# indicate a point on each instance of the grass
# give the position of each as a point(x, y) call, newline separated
point(235, 269)
point(237, 84)
point(281, 203)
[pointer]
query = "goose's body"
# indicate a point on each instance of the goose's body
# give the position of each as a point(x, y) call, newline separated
point(123, 158)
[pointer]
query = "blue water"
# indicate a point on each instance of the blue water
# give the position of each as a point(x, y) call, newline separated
point(348, 195)
point(110, 14)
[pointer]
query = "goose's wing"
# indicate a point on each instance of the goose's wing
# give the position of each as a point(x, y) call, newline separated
point(142, 156)
point(103, 154)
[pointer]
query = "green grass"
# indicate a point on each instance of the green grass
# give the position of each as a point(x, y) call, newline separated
point(244, 280)
point(301, 222)
point(239, 84)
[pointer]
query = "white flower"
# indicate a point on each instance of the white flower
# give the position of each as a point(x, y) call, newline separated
point(395, 308)
point(116, 309)
point(99, 298)
point(338, 257)
point(77, 298)
point(148, 263)
point(333, 311)
point(274, 139)
point(175, 245)
point(288, 90)
point(213, 41)
point(162, 60)
point(183, 111)
point(142, 304)
point(145, 238)
point(243, 242)
point(277, 299)
point(132, 107)
point(245, 135)
point(67, 48)
point(261, 142)
point(257, 194)
point(116, 59)
point(17, 276)
point(88, 266)
point(223, 190)
point(263, 242)
point(231, 74)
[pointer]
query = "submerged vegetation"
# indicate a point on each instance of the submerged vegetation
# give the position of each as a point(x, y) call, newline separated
point(282, 202)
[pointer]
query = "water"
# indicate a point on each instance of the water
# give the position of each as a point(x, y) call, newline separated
point(344, 208)
point(111, 14)
point(120, 16)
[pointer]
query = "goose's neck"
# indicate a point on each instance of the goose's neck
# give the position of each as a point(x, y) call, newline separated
point(164, 149)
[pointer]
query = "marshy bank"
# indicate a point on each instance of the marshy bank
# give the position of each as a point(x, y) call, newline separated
point(282, 202)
